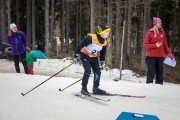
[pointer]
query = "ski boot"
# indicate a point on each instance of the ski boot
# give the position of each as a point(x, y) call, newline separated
point(96, 90)
point(84, 91)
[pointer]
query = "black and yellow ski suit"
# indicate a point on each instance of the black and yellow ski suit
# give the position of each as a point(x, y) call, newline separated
point(89, 49)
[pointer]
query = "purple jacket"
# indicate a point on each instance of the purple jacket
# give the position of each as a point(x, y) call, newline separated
point(18, 42)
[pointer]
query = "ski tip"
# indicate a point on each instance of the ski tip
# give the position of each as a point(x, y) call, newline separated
point(60, 89)
point(22, 94)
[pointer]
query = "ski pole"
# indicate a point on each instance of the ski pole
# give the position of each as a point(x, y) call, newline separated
point(69, 85)
point(23, 94)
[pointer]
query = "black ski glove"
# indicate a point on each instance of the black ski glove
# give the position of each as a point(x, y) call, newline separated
point(102, 65)
point(76, 58)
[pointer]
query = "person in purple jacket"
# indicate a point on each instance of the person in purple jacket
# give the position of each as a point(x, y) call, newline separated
point(0, 43)
point(18, 42)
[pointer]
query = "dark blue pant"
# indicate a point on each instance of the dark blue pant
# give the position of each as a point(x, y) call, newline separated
point(88, 64)
point(23, 60)
point(155, 66)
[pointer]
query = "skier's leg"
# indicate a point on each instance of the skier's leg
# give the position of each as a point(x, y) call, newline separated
point(97, 72)
point(87, 72)
point(97, 75)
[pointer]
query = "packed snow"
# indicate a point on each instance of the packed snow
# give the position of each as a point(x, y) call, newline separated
point(46, 102)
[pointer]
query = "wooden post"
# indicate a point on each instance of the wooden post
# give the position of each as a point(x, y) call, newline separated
point(122, 47)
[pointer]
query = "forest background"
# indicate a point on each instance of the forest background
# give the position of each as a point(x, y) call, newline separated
point(57, 26)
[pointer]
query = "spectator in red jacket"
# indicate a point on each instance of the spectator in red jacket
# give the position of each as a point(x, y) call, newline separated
point(156, 46)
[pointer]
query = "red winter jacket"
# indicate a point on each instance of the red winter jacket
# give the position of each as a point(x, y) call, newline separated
point(150, 44)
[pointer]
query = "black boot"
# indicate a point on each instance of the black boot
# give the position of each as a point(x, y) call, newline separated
point(84, 90)
point(26, 70)
point(96, 90)
point(17, 69)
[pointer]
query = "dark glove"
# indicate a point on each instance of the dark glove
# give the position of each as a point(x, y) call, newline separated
point(76, 58)
point(102, 65)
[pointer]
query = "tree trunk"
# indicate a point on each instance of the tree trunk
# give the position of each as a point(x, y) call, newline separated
point(92, 19)
point(47, 27)
point(103, 11)
point(33, 25)
point(77, 23)
point(62, 25)
point(17, 14)
point(175, 28)
point(0, 45)
point(118, 34)
point(1, 27)
point(125, 62)
point(99, 11)
point(9, 12)
point(129, 34)
point(52, 26)
point(178, 48)
point(109, 40)
point(67, 27)
point(29, 24)
point(3, 21)
point(147, 8)
point(139, 29)
point(80, 17)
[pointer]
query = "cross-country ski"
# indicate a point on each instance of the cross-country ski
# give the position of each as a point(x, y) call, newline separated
point(91, 97)
point(123, 95)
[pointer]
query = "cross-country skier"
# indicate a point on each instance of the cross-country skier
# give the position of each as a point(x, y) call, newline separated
point(89, 50)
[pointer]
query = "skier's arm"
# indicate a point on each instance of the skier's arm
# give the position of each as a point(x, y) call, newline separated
point(103, 53)
point(83, 43)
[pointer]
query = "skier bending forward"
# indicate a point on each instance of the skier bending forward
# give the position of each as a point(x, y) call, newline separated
point(88, 51)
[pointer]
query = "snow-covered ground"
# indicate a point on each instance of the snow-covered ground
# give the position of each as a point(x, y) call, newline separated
point(46, 102)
